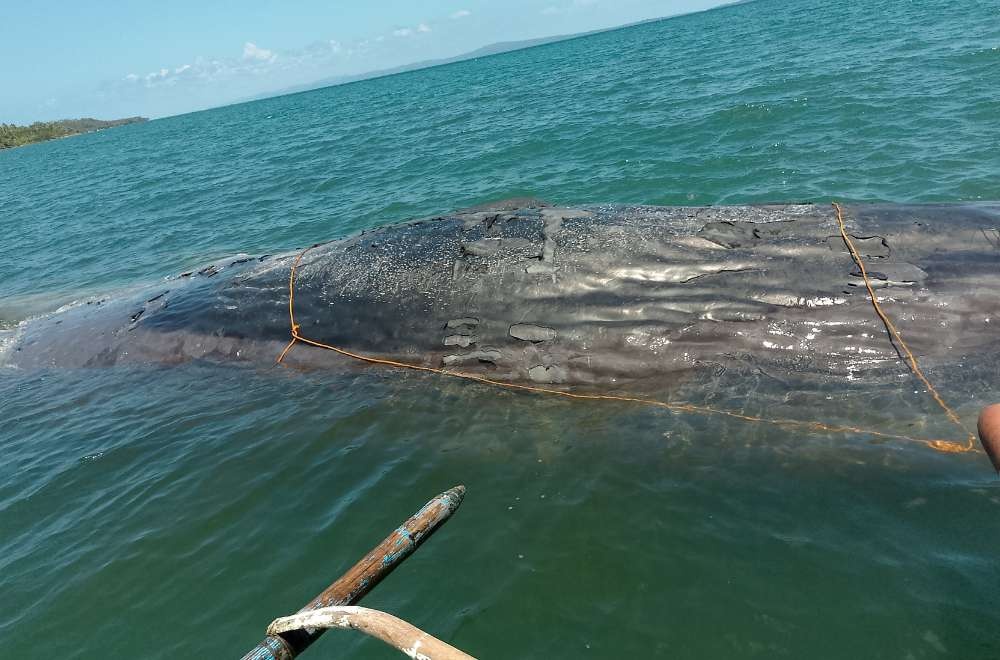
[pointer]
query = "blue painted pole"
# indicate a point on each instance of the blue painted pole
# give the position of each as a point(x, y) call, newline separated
point(363, 576)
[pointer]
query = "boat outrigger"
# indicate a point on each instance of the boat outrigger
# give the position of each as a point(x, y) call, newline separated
point(287, 637)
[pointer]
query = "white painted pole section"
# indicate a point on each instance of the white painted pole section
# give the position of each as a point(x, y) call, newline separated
point(393, 631)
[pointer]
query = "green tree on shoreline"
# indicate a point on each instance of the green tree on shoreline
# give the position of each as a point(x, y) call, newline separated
point(12, 135)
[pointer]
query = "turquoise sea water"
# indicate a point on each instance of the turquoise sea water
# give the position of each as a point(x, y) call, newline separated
point(139, 507)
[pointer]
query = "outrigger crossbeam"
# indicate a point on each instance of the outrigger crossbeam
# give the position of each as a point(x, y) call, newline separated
point(361, 578)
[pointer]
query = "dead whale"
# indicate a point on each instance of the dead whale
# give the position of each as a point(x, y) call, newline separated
point(594, 297)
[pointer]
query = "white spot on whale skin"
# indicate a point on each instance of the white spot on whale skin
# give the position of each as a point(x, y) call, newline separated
point(824, 301)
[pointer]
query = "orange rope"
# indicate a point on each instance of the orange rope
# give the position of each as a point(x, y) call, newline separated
point(291, 303)
point(937, 444)
point(891, 327)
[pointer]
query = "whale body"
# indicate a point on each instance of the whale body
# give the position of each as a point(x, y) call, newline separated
point(598, 297)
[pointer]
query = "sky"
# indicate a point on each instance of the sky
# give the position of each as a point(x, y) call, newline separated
point(122, 58)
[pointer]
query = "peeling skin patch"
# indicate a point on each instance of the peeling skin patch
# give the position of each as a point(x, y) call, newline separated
point(485, 355)
point(533, 333)
point(549, 250)
point(879, 284)
point(720, 272)
point(472, 222)
point(564, 214)
point(540, 268)
point(551, 228)
point(729, 234)
point(487, 247)
point(552, 220)
point(462, 322)
point(894, 274)
point(543, 374)
point(872, 274)
point(871, 246)
point(515, 243)
point(462, 341)
point(481, 248)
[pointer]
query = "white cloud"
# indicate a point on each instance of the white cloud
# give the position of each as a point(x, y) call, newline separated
point(255, 61)
point(252, 51)
point(241, 69)
point(423, 28)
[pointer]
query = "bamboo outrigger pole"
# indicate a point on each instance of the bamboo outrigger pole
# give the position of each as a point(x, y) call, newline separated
point(395, 632)
point(363, 576)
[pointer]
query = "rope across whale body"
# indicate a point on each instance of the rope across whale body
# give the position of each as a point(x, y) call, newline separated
point(942, 445)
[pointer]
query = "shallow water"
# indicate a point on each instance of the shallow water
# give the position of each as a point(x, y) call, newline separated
point(139, 504)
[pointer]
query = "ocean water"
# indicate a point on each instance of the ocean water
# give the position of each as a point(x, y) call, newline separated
point(156, 511)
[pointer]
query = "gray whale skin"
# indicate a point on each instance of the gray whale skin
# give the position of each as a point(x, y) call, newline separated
point(603, 297)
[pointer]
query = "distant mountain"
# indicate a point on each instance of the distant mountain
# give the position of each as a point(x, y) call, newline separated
point(16, 136)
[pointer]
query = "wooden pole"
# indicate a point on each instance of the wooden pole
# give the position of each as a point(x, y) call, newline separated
point(363, 576)
point(395, 632)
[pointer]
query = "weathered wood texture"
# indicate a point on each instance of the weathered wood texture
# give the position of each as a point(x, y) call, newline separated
point(364, 575)
point(393, 631)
